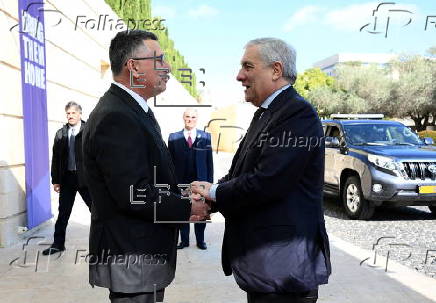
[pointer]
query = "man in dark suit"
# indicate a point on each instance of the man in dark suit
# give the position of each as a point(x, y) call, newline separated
point(191, 152)
point(275, 242)
point(131, 177)
point(65, 171)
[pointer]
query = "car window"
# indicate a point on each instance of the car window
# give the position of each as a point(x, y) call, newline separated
point(334, 132)
point(381, 134)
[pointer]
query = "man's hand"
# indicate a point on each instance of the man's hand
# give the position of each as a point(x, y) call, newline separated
point(202, 188)
point(199, 208)
point(57, 187)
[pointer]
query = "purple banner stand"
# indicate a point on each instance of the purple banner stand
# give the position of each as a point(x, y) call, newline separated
point(33, 82)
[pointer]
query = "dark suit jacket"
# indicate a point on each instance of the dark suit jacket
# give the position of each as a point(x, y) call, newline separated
point(275, 238)
point(59, 161)
point(121, 147)
point(203, 155)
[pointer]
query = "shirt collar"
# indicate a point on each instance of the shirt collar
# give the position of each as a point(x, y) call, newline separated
point(192, 131)
point(141, 101)
point(271, 98)
point(76, 127)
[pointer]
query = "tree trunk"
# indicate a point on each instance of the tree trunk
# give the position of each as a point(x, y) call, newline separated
point(418, 123)
point(433, 120)
point(424, 125)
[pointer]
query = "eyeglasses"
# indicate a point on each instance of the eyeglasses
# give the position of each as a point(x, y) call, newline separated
point(157, 58)
point(160, 59)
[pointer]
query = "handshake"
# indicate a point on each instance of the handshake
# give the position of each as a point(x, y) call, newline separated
point(200, 200)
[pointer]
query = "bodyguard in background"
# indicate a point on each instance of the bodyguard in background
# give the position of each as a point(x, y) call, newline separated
point(191, 152)
point(64, 173)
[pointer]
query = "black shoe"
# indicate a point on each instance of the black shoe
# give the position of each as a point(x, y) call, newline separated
point(202, 246)
point(52, 250)
point(182, 245)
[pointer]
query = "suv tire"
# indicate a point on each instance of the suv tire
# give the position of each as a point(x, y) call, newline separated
point(356, 206)
point(432, 209)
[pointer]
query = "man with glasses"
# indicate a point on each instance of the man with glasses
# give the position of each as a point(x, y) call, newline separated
point(133, 235)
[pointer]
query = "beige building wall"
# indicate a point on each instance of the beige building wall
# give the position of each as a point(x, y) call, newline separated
point(73, 71)
point(228, 125)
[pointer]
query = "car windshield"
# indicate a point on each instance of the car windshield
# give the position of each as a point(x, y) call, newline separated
point(381, 134)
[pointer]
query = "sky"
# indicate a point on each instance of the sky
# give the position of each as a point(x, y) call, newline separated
point(211, 34)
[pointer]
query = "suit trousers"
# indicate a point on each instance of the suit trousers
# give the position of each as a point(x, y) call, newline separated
point(199, 232)
point(67, 195)
point(140, 297)
point(297, 297)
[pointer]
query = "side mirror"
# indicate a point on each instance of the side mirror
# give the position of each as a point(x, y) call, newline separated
point(331, 142)
point(428, 141)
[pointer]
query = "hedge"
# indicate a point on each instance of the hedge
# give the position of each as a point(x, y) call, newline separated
point(428, 133)
point(140, 10)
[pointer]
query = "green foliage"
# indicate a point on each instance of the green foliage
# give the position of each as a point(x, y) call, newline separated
point(404, 88)
point(328, 101)
point(428, 134)
point(414, 91)
point(370, 83)
point(311, 79)
point(140, 10)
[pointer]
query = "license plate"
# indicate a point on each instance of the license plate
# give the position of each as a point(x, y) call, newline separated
point(427, 189)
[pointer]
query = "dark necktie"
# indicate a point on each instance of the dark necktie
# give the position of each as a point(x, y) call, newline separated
point(71, 154)
point(257, 117)
point(189, 140)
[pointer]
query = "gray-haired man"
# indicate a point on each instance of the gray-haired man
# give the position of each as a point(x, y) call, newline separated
point(65, 169)
point(275, 243)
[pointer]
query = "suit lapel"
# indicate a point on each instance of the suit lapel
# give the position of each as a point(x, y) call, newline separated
point(285, 96)
point(197, 139)
point(248, 141)
point(146, 121)
point(144, 118)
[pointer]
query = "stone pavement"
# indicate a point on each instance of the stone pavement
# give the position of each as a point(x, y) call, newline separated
point(199, 277)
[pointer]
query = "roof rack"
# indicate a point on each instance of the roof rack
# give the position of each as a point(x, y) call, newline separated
point(357, 116)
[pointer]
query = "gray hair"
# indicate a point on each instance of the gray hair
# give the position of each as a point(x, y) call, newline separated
point(190, 109)
point(276, 50)
point(124, 45)
point(73, 104)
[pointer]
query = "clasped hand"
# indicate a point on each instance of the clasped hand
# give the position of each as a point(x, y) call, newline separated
point(200, 201)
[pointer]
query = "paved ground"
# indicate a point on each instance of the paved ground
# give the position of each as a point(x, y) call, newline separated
point(408, 233)
point(199, 277)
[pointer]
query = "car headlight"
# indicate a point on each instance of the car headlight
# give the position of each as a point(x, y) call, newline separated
point(383, 162)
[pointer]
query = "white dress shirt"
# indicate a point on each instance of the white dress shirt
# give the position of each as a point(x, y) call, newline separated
point(76, 129)
point(192, 133)
point(141, 101)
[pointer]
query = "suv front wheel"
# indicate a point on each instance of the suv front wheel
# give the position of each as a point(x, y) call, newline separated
point(356, 206)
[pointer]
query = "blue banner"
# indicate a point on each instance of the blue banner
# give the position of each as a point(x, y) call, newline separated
point(33, 82)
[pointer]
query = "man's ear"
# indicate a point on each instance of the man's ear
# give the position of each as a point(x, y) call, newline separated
point(133, 68)
point(277, 70)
